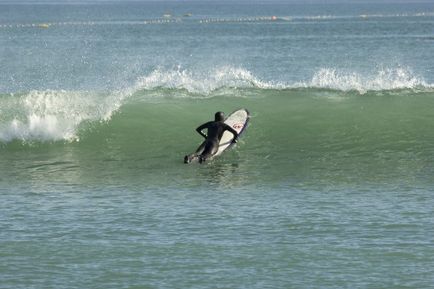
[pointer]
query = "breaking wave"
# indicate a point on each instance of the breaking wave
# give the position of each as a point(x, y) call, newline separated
point(58, 115)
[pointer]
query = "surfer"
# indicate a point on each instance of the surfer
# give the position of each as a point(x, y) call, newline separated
point(215, 132)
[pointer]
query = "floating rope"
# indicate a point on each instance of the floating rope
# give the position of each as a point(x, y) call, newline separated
point(46, 25)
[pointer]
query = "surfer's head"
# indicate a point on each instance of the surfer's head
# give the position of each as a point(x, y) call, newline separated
point(219, 116)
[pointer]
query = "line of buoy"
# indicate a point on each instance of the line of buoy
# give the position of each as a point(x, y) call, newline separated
point(44, 25)
point(245, 19)
point(144, 22)
point(161, 21)
point(51, 24)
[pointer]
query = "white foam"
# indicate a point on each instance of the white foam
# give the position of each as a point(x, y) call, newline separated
point(54, 115)
point(383, 79)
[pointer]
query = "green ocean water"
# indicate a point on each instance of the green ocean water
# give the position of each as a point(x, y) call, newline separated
point(330, 186)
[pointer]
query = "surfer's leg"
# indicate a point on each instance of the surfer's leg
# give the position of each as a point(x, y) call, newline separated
point(209, 150)
point(200, 148)
point(189, 158)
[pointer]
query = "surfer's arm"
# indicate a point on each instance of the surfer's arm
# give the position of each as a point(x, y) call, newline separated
point(200, 128)
point(234, 132)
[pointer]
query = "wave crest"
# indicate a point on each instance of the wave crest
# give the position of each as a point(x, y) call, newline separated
point(204, 82)
point(384, 79)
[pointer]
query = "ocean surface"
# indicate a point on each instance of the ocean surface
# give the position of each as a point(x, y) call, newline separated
point(331, 186)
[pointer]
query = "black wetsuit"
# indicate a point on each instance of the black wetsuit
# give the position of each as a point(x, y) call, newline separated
point(212, 138)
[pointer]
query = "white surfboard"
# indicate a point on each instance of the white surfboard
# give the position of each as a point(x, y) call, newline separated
point(238, 120)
